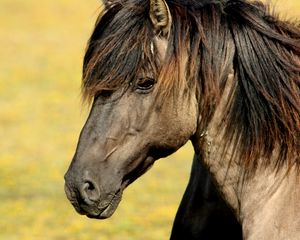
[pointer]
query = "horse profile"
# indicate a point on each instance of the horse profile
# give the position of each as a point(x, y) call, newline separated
point(224, 74)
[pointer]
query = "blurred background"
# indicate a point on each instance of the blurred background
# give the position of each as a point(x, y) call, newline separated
point(41, 51)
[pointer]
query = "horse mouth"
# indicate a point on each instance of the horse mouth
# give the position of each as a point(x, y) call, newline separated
point(107, 203)
point(98, 210)
point(108, 209)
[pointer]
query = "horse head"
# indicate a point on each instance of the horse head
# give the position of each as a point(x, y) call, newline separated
point(134, 119)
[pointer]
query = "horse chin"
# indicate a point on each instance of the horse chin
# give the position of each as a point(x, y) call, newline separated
point(108, 210)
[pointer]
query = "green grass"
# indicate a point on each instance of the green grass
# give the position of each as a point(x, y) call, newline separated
point(42, 45)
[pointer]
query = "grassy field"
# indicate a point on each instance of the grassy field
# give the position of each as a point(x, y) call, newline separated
point(42, 44)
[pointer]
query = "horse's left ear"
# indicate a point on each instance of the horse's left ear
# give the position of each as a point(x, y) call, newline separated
point(160, 17)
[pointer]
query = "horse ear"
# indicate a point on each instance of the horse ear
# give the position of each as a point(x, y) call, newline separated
point(160, 17)
point(107, 3)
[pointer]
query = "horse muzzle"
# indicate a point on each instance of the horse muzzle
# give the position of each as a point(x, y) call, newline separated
point(87, 199)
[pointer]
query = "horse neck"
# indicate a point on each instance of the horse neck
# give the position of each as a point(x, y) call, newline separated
point(267, 202)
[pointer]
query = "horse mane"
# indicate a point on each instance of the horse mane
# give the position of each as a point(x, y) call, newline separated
point(263, 109)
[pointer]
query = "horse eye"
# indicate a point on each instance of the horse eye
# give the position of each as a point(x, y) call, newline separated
point(104, 94)
point(145, 84)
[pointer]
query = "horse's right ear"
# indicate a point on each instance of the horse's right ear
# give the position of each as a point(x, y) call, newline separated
point(160, 17)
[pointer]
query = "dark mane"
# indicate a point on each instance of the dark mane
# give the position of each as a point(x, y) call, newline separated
point(263, 111)
point(118, 48)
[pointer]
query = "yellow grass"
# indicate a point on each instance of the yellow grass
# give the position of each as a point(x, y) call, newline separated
point(42, 44)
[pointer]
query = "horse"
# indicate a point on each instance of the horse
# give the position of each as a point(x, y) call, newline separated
point(224, 74)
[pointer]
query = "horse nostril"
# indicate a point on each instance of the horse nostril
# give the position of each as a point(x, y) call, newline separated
point(90, 186)
point(90, 192)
